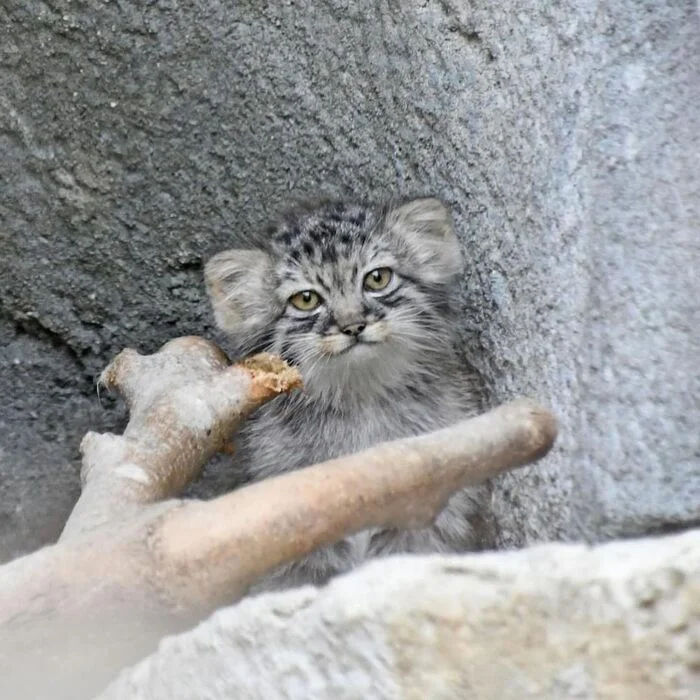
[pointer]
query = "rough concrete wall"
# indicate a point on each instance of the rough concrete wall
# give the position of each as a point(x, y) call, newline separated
point(620, 622)
point(640, 344)
point(138, 138)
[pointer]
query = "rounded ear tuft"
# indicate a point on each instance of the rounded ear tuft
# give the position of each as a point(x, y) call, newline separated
point(425, 226)
point(240, 284)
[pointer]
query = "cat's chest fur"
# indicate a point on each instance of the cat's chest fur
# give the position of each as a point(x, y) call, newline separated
point(295, 431)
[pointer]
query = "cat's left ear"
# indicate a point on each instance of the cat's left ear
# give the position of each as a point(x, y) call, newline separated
point(424, 227)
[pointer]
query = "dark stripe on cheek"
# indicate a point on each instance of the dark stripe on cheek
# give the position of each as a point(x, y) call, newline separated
point(305, 324)
point(436, 297)
point(443, 307)
point(396, 292)
point(326, 323)
point(392, 300)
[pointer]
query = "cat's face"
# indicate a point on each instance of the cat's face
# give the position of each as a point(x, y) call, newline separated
point(355, 296)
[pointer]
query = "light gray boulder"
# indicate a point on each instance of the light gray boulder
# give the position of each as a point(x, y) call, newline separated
point(620, 622)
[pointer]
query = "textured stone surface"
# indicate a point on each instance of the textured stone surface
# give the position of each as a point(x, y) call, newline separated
point(138, 138)
point(617, 622)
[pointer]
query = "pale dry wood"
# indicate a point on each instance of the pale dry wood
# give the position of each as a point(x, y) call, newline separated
point(184, 404)
point(132, 565)
point(400, 484)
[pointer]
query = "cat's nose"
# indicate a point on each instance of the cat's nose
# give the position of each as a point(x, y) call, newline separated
point(354, 328)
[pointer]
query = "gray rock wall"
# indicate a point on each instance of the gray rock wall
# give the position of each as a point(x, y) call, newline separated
point(138, 138)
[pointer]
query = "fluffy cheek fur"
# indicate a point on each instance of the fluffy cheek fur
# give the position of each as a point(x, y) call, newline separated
point(336, 368)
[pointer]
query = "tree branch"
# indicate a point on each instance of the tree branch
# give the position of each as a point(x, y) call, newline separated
point(132, 565)
point(399, 484)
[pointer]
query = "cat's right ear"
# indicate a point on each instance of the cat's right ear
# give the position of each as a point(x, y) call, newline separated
point(241, 288)
point(424, 227)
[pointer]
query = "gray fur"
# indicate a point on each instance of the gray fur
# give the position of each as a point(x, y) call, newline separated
point(400, 376)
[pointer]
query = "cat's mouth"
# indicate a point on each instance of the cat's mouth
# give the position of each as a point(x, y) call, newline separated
point(357, 344)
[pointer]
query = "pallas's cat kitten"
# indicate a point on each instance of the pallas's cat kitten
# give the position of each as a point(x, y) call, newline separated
point(359, 297)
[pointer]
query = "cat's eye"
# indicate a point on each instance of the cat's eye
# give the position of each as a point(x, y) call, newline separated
point(307, 300)
point(378, 279)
